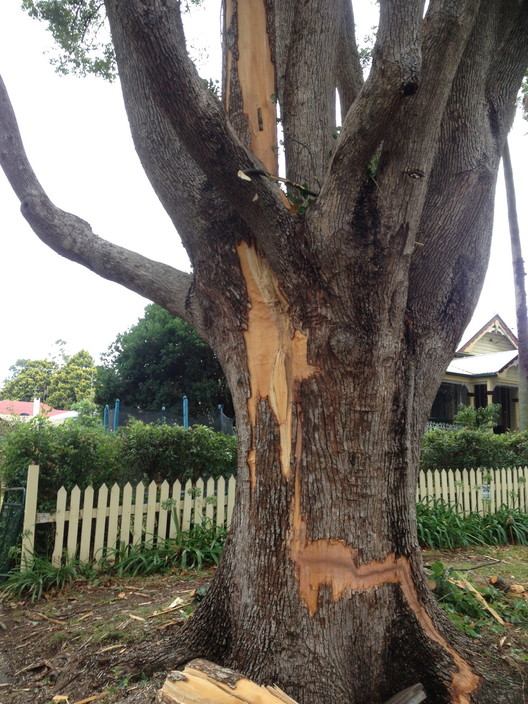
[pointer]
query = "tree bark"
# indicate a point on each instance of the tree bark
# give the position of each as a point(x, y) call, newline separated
point(519, 279)
point(333, 327)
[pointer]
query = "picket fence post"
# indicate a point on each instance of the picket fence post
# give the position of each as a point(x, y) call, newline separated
point(30, 518)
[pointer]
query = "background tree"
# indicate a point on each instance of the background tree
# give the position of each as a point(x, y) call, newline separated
point(73, 381)
point(29, 378)
point(59, 386)
point(156, 362)
point(333, 322)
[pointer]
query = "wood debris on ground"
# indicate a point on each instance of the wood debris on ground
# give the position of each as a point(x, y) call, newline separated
point(203, 682)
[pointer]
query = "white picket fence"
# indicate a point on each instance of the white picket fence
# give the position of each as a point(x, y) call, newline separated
point(119, 517)
point(89, 523)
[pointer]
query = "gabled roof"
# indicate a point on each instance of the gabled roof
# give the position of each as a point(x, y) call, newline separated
point(25, 408)
point(497, 325)
point(483, 364)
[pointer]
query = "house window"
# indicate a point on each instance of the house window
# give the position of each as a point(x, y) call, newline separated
point(502, 395)
point(481, 396)
point(448, 401)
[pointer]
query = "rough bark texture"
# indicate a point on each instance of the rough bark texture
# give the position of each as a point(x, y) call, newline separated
point(334, 327)
point(519, 280)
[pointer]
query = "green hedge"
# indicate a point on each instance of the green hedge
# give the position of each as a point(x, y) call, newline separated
point(73, 453)
point(459, 449)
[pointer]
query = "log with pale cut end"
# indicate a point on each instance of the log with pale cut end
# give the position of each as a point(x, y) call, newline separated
point(203, 682)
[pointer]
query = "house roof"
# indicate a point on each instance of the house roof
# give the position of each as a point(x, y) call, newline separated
point(25, 408)
point(483, 364)
point(496, 324)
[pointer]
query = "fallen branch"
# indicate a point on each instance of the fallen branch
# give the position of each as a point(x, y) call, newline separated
point(48, 618)
point(203, 682)
point(467, 585)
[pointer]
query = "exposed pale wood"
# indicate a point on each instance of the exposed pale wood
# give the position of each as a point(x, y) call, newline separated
point(203, 682)
point(30, 512)
point(461, 582)
point(73, 522)
point(86, 527)
point(60, 515)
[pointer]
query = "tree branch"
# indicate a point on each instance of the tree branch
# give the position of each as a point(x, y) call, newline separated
point(447, 270)
point(73, 238)
point(348, 69)
point(395, 75)
point(154, 34)
point(309, 118)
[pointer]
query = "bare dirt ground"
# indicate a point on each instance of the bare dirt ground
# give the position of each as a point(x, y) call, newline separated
point(75, 646)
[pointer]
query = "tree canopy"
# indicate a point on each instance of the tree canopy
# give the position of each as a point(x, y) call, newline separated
point(59, 386)
point(156, 362)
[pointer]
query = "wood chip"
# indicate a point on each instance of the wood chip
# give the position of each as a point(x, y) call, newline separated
point(163, 626)
point(109, 647)
point(137, 618)
point(91, 699)
point(168, 611)
point(82, 618)
point(48, 618)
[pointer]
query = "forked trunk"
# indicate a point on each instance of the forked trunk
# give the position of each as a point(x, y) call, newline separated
point(322, 572)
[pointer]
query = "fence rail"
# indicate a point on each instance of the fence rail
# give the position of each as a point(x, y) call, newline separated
point(88, 523)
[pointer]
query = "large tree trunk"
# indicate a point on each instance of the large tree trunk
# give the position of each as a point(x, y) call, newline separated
point(323, 569)
point(333, 326)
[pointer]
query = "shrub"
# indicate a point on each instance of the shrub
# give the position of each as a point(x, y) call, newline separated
point(73, 453)
point(459, 449)
point(68, 454)
point(153, 451)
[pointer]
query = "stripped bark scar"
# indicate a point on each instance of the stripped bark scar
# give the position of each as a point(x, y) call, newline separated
point(256, 74)
point(333, 562)
point(276, 353)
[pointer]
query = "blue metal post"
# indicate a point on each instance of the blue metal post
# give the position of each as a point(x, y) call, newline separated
point(106, 414)
point(185, 412)
point(116, 414)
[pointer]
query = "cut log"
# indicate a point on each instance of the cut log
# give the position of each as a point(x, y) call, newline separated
point(500, 583)
point(203, 682)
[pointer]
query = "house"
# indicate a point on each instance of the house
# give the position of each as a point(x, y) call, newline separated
point(484, 370)
point(29, 409)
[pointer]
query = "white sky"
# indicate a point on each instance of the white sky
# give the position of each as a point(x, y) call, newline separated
point(76, 135)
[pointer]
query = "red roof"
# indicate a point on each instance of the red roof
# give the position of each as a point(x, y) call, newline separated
point(25, 408)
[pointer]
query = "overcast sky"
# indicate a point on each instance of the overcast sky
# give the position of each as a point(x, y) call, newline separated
point(76, 135)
